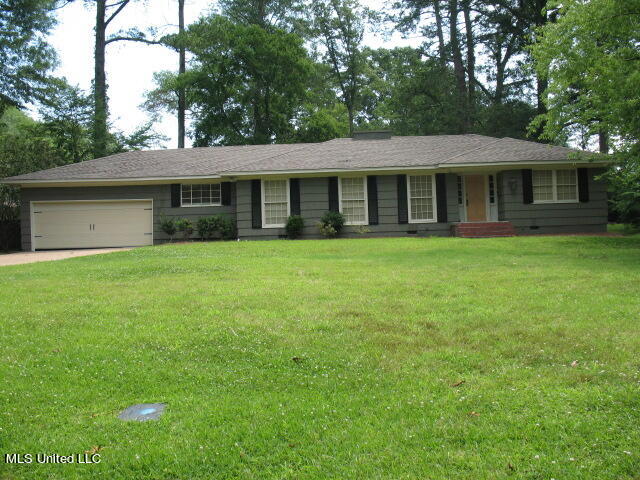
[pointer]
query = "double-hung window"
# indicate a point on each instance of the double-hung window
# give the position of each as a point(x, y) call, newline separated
point(555, 186)
point(275, 203)
point(353, 200)
point(422, 198)
point(200, 195)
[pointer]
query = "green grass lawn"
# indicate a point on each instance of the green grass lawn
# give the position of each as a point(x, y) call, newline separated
point(347, 359)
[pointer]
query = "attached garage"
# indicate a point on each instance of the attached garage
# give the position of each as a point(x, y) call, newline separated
point(91, 224)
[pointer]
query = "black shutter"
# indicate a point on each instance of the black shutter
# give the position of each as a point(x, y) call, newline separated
point(372, 196)
point(334, 203)
point(256, 204)
point(225, 193)
point(583, 184)
point(175, 195)
point(294, 193)
point(527, 185)
point(403, 213)
point(441, 197)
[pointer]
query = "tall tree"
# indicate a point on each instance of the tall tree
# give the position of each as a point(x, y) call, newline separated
point(25, 56)
point(340, 26)
point(244, 84)
point(288, 15)
point(590, 61)
point(181, 70)
point(105, 14)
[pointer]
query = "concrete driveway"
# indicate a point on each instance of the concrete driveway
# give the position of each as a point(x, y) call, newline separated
point(32, 257)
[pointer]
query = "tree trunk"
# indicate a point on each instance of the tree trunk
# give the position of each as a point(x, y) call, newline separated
point(441, 45)
point(603, 141)
point(181, 70)
point(100, 113)
point(458, 67)
point(471, 66)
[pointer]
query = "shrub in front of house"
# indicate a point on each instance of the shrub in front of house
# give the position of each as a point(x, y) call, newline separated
point(221, 225)
point(168, 226)
point(331, 224)
point(227, 227)
point(184, 226)
point(207, 227)
point(294, 226)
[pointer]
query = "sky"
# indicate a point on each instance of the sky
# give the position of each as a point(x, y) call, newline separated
point(130, 66)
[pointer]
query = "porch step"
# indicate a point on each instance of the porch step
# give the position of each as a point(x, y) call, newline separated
point(483, 229)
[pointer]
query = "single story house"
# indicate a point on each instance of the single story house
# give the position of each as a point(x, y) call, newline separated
point(467, 185)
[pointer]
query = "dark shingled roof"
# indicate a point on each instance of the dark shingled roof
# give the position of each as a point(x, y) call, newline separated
point(339, 154)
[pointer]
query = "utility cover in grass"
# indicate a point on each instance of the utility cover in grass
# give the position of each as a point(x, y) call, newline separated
point(142, 412)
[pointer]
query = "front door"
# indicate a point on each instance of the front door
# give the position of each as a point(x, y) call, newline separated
point(476, 198)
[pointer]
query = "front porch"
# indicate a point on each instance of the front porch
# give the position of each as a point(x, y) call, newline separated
point(483, 229)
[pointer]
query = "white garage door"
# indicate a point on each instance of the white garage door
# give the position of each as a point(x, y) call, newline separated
point(91, 224)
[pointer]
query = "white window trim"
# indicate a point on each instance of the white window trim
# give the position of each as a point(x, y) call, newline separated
point(554, 187)
point(218, 204)
point(264, 211)
point(435, 200)
point(366, 200)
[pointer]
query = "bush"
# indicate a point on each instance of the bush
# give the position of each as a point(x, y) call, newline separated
point(185, 226)
point(207, 227)
point(216, 224)
point(294, 226)
point(168, 226)
point(331, 224)
point(227, 227)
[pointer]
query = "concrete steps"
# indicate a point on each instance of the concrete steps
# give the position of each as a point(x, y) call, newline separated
point(483, 229)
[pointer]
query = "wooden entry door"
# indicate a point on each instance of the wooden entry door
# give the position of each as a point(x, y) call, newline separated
point(476, 198)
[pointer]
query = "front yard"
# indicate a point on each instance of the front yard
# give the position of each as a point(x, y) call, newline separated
point(373, 358)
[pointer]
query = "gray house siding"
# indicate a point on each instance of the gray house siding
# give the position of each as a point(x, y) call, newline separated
point(314, 202)
point(534, 218)
point(160, 194)
point(579, 217)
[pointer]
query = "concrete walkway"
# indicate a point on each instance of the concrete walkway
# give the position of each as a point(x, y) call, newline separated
point(32, 257)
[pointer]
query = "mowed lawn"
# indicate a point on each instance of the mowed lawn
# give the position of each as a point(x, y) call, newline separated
point(348, 359)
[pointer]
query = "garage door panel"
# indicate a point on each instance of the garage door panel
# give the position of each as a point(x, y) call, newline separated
point(92, 224)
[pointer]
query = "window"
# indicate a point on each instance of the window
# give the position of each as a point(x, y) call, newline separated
point(200, 195)
point(353, 200)
point(275, 202)
point(555, 186)
point(460, 190)
point(421, 194)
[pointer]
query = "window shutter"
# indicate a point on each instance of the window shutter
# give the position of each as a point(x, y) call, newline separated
point(583, 184)
point(372, 196)
point(441, 197)
point(527, 185)
point(294, 193)
point(403, 213)
point(256, 204)
point(225, 193)
point(175, 195)
point(334, 203)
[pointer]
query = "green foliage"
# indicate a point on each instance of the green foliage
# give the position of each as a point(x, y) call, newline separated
point(340, 26)
point(624, 185)
point(331, 224)
point(245, 83)
point(168, 226)
point(294, 226)
point(220, 224)
point(184, 226)
point(206, 227)
point(25, 56)
point(590, 57)
point(323, 125)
